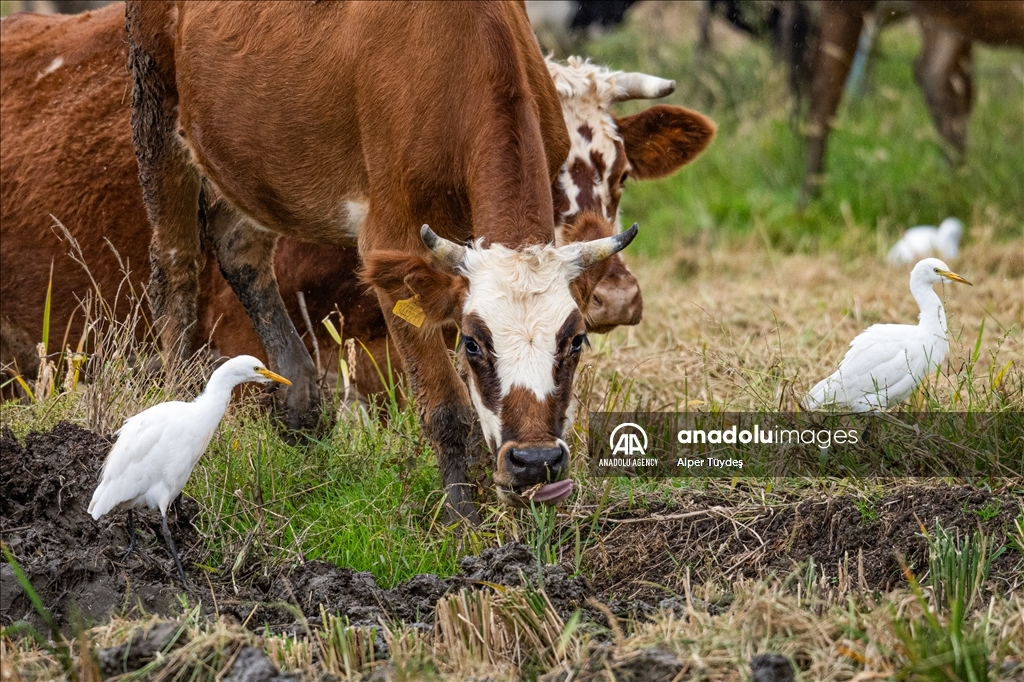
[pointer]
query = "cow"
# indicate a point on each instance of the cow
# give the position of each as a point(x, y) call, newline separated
point(605, 151)
point(94, 190)
point(88, 86)
point(943, 69)
point(429, 133)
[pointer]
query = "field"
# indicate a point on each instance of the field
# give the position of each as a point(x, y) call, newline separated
point(316, 553)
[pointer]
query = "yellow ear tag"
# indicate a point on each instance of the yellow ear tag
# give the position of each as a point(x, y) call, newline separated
point(409, 310)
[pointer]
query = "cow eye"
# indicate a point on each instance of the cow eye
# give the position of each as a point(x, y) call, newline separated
point(471, 347)
point(577, 343)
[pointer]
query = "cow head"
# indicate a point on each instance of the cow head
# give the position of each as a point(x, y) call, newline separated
point(605, 151)
point(521, 336)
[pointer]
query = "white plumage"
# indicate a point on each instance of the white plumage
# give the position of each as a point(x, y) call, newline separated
point(886, 362)
point(157, 449)
point(925, 240)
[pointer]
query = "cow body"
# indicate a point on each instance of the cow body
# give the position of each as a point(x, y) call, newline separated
point(296, 118)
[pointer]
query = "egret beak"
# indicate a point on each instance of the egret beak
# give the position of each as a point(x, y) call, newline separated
point(273, 377)
point(953, 276)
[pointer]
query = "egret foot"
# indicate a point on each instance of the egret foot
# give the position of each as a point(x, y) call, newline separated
point(132, 544)
point(174, 553)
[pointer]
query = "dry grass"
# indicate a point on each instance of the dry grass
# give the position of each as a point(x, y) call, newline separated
point(847, 635)
point(741, 327)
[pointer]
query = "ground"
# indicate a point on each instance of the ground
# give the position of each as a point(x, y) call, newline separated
point(331, 556)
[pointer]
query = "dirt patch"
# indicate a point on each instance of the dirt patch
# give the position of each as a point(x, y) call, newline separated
point(719, 542)
point(75, 563)
point(637, 564)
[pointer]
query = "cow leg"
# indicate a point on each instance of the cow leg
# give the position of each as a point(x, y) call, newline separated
point(840, 30)
point(245, 253)
point(943, 70)
point(170, 183)
point(443, 407)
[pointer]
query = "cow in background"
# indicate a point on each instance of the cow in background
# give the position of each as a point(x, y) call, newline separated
point(943, 70)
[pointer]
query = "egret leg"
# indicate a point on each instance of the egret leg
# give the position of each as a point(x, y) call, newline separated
point(174, 553)
point(132, 545)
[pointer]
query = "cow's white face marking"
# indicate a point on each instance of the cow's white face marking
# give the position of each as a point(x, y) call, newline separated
point(523, 298)
point(53, 66)
point(586, 91)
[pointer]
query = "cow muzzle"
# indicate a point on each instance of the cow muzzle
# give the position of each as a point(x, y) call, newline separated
point(533, 472)
point(616, 301)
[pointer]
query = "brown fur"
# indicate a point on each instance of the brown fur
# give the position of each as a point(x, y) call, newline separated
point(54, 136)
point(663, 138)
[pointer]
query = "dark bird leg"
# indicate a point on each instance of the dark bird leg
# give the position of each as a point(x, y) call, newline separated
point(174, 553)
point(132, 545)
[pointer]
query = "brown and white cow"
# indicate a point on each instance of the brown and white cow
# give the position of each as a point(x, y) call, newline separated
point(295, 118)
point(76, 112)
point(605, 151)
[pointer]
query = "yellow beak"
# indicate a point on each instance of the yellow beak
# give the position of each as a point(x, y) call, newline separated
point(955, 277)
point(274, 377)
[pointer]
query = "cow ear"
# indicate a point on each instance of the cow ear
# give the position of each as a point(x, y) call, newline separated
point(585, 227)
point(661, 139)
point(404, 276)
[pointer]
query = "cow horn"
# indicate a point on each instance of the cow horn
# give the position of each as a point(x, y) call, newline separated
point(597, 250)
point(446, 251)
point(635, 85)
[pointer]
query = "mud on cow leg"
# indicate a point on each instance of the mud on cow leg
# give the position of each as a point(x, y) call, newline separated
point(246, 256)
point(170, 183)
point(449, 427)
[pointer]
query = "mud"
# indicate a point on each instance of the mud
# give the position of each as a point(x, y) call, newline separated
point(866, 538)
point(75, 563)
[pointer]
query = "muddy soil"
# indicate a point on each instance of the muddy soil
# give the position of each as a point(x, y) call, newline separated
point(76, 567)
point(729, 543)
point(75, 563)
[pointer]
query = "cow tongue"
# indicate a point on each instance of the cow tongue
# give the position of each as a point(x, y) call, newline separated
point(551, 493)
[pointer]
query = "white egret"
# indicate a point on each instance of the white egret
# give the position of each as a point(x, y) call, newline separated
point(925, 240)
point(886, 362)
point(157, 449)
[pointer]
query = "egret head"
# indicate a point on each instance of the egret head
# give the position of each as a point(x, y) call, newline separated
point(932, 270)
point(245, 368)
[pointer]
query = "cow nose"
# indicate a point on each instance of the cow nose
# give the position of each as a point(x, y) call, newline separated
point(538, 465)
point(616, 301)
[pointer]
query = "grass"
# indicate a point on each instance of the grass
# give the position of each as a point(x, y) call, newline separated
point(748, 302)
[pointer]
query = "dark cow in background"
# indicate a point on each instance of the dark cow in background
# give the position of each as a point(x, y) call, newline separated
point(819, 41)
point(944, 69)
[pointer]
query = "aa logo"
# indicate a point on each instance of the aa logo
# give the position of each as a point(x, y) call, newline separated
point(628, 439)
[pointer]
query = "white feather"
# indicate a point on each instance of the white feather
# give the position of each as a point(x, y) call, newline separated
point(157, 449)
point(887, 362)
